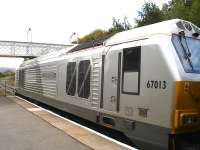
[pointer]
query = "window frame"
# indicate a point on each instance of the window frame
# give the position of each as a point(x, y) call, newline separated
point(137, 48)
point(181, 59)
point(89, 75)
point(21, 78)
point(75, 88)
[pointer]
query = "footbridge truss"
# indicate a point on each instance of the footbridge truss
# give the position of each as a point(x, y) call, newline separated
point(28, 49)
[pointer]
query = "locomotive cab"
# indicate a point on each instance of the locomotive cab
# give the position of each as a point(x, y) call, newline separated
point(186, 115)
point(154, 82)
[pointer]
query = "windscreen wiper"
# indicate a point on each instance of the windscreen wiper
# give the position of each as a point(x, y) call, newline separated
point(186, 51)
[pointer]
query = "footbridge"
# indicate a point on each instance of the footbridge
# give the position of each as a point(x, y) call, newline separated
point(28, 49)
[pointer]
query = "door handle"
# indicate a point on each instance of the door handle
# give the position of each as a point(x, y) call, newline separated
point(114, 79)
point(112, 99)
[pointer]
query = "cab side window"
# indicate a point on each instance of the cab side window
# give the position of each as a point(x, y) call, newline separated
point(131, 70)
point(131, 60)
point(21, 78)
point(84, 71)
point(71, 79)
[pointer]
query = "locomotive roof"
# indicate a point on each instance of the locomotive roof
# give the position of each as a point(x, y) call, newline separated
point(93, 43)
point(166, 27)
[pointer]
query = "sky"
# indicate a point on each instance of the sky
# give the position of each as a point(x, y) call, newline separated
point(54, 21)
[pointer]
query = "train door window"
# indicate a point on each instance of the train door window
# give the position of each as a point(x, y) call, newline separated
point(23, 77)
point(131, 70)
point(71, 79)
point(84, 70)
point(20, 78)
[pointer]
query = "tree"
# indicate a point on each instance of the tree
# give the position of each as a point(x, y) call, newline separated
point(96, 34)
point(149, 14)
point(194, 12)
point(117, 26)
point(179, 9)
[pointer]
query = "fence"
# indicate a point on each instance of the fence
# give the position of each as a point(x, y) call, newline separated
point(7, 86)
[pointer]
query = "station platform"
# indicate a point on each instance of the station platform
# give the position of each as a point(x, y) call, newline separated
point(25, 126)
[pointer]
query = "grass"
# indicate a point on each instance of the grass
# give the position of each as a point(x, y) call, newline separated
point(2, 92)
point(9, 82)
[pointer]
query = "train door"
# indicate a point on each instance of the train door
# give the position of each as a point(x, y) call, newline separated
point(121, 76)
point(112, 73)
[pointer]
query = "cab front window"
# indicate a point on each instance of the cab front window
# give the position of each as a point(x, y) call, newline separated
point(188, 50)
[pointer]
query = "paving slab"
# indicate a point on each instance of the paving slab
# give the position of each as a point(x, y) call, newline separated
point(22, 130)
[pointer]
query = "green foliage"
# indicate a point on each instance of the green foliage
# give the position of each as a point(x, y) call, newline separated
point(149, 14)
point(194, 12)
point(2, 75)
point(178, 9)
point(7, 73)
point(117, 26)
point(97, 34)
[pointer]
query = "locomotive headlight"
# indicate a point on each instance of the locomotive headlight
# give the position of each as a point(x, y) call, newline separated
point(188, 119)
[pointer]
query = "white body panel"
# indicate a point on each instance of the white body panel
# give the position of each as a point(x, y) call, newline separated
point(132, 86)
point(111, 80)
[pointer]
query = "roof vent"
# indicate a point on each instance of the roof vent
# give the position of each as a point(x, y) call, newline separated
point(188, 26)
point(180, 25)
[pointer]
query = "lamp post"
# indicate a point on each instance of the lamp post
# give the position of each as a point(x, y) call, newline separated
point(27, 34)
point(28, 46)
point(73, 34)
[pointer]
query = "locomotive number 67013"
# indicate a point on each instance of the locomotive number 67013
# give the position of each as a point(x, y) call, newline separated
point(155, 84)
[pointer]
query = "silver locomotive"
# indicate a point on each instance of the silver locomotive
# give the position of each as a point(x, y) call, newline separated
point(144, 82)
